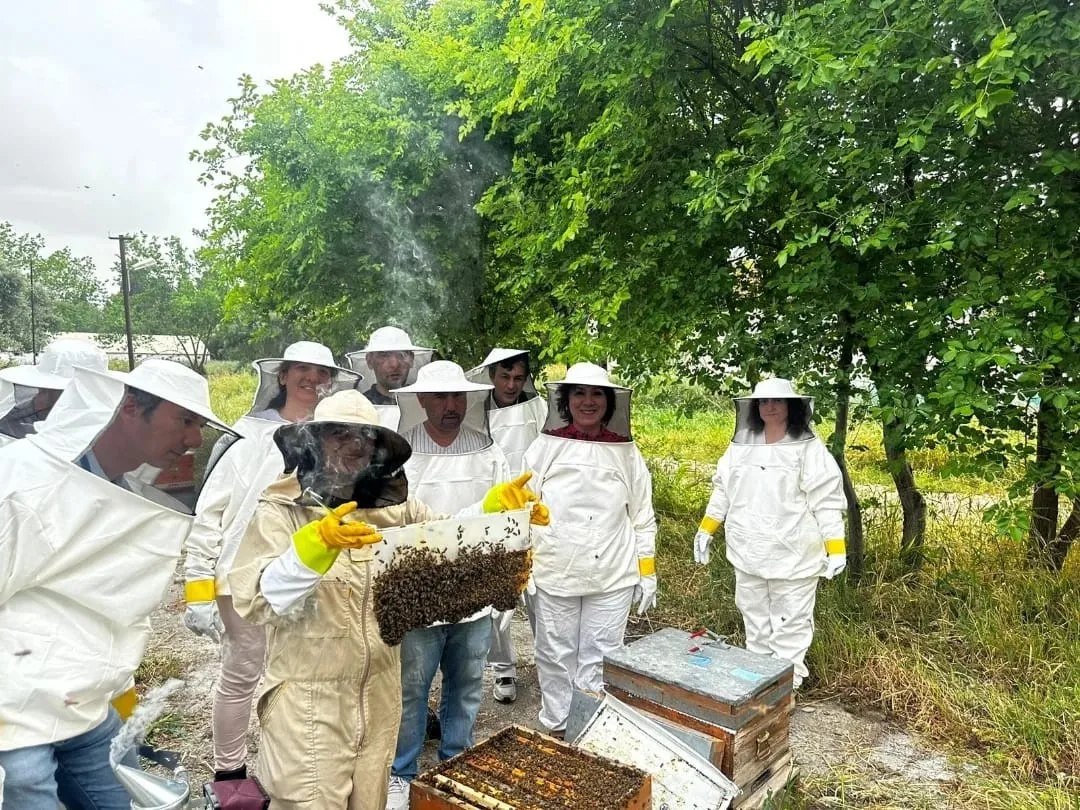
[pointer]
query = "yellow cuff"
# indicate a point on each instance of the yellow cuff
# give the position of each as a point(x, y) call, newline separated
point(125, 704)
point(646, 566)
point(835, 546)
point(492, 502)
point(200, 590)
point(709, 525)
point(311, 549)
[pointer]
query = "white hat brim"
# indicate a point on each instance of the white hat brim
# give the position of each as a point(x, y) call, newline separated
point(188, 405)
point(462, 386)
point(270, 365)
point(33, 377)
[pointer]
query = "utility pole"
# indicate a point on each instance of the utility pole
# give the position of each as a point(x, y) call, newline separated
point(125, 288)
point(33, 315)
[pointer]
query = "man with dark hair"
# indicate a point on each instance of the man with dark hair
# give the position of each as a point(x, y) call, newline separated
point(389, 360)
point(88, 548)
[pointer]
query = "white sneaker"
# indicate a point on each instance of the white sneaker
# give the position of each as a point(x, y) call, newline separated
point(505, 690)
point(397, 797)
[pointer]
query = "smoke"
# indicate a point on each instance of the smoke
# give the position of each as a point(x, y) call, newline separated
point(431, 244)
point(151, 706)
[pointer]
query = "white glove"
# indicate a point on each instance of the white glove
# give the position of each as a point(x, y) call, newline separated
point(530, 586)
point(834, 564)
point(203, 619)
point(702, 541)
point(645, 593)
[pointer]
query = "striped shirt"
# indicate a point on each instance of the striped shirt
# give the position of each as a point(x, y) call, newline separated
point(467, 441)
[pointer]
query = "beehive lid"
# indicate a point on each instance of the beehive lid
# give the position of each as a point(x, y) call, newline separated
point(715, 671)
point(682, 778)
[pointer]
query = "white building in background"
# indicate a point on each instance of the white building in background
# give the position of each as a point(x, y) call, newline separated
point(180, 348)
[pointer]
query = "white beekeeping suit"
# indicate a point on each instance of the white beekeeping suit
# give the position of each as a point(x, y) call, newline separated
point(516, 415)
point(243, 470)
point(780, 496)
point(88, 547)
point(28, 392)
point(389, 360)
point(599, 549)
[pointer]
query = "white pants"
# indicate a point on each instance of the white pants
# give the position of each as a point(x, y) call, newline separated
point(778, 615)
point(501, 657)
point(573, 634)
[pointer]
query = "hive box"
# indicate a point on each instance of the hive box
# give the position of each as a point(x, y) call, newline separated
point(518, 767)
point(740, 703)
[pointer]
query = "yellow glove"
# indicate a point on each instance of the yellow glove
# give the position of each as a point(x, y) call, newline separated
point(515, 495)
point(318, 543)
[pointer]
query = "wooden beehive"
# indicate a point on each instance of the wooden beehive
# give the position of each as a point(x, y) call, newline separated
point(520, 769)
point(739, 702)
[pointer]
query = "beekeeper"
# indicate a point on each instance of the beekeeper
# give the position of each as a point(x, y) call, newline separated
point(780, 496)
point(598, 554)
point(88, 550)
point(332, 700)
point(516, 415)
point(289, 388)
point(389, 360)
point(454, 463)
point(27, 393)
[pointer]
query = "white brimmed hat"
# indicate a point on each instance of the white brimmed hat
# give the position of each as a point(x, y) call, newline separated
point(588, 374)
point(174, 383)
point(56, 365)
point(775, 388)
point(306, 351)
point(392, 339)
point(442, 377)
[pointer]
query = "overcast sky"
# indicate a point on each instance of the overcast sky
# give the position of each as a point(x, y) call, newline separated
point(110, 94)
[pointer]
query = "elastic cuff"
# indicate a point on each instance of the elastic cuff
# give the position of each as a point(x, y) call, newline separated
point(200, 590)
point(835, 546)
point(311, 550)
point(709, 525)
point(125, 703)
point(646, 566)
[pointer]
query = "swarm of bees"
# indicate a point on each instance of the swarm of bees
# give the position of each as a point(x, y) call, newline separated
point(422, 586)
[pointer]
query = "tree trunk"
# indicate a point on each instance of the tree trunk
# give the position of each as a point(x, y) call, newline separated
point(1059, 548)
point(911, 500)
point(1044, 500)
point(856, 541)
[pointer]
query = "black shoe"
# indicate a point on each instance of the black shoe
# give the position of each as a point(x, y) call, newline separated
point(434, 727)
point(229, 776)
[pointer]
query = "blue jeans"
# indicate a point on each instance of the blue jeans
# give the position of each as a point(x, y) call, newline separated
point(459, 650)
point(75, 771)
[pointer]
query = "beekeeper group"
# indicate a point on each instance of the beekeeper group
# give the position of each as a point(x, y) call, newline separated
point(276, 575)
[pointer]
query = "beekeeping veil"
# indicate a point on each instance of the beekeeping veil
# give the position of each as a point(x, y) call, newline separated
point(343, 454)
point(270, 393)
point(390, 340)
point(93, 415)
point(27, 393)
point(262, 419)
point(749, 426)
point(513, 427)
point(446, 377)
point(615, 420)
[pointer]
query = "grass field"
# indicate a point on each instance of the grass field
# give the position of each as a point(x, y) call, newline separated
point(976, 651)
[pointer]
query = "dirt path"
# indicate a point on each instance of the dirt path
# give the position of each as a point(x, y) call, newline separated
point(875, 763)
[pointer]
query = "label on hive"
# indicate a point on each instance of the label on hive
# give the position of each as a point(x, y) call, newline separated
point(712, 681)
